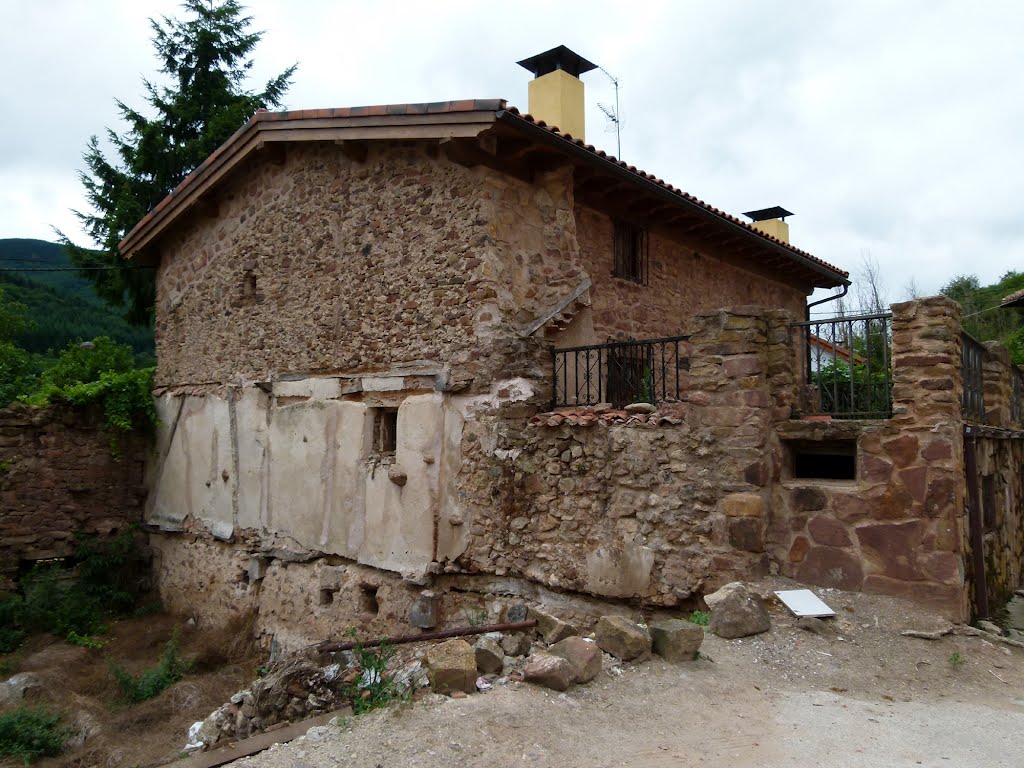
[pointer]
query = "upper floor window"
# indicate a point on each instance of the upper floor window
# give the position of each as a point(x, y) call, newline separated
point(630, 252)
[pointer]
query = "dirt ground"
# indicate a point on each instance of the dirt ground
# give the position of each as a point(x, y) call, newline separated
point(77, 682)
point(860, 695)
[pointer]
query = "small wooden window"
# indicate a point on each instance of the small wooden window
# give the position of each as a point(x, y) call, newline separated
point(385, 431)
point(631, 252)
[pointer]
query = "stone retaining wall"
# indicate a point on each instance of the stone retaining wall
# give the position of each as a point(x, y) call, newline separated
point(58, 475)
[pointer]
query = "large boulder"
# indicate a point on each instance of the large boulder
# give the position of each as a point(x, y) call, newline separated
point(737, 611)
point(583, 655)
point(451, 666)
point(676, 639)
point(552, 628)
point(622, 638)
point(550, 671)
point(489, 655)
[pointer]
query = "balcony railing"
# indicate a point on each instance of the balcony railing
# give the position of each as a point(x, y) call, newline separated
point(620, 372)
point(847, 361)
point(972, 360)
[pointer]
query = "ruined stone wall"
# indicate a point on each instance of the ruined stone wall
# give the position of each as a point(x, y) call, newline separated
point(58, 476)
point(656, 508)
point(683, 282)
point(899, 526)
point(323, 264)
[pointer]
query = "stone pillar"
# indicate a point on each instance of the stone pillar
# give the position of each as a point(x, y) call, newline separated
point(997, 385)
point(920, 543)
point(732, 359)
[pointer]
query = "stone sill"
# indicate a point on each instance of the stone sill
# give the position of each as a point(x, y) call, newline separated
point(818, 482)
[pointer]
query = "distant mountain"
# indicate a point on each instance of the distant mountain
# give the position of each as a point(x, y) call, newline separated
point(62, 305)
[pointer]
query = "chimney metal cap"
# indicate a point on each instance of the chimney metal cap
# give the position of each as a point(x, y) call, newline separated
point(557, 58)
point(777, 212)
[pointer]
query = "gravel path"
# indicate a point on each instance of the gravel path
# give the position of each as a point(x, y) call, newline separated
point(862, 696)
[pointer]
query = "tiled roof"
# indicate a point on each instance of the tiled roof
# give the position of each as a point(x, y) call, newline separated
point(500, 110)
point(675, 190)
point(1015, 299)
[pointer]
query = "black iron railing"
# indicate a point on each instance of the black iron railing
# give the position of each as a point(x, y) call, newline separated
point(1016, 393)
point(848, 361)
point(620, 372)
point(972, 360)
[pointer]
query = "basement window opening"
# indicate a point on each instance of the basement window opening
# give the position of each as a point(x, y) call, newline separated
point(368, 604)
point(385, 431)
point(631, 252)
point(826, 460)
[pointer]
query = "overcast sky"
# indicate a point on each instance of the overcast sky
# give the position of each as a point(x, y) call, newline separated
point(892, 129)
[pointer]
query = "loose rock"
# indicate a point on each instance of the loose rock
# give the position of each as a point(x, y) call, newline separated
point(737, 611)
point(515, 644)
point(583, 655)
point(552, 628)
point(622, 638)
point(676, 639)
point(640, 408)
point(451, 666)
point(489, 655)
point(550, 671)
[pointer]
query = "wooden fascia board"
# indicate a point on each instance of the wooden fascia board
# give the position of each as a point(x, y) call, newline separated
point(263, 132)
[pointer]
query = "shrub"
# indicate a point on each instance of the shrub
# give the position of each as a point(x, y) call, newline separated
point(154, 680)
point(28, 733)
point(700, 617)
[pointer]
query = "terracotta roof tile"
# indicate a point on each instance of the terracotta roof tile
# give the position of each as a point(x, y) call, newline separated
point(675, 190)
point(498, 106)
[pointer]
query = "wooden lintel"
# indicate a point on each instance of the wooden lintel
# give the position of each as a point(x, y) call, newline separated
point(356, 151)
point(272, 151)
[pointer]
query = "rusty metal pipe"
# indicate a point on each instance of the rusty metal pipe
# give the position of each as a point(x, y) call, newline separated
point(331, 646)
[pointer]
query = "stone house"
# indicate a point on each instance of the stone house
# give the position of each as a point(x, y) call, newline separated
point(356, 315)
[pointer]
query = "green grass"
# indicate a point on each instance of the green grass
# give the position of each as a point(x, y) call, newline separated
point(29, 733)
point(700, 617)
point(154, 680)
point(955, 659)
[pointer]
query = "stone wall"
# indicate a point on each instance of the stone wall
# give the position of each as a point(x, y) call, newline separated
point(899, 526)
point(324, 264)
point(58, 476)
point(684, 281)
point(623, 505)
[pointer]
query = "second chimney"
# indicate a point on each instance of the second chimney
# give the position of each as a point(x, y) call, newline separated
point(771, 221)
point(556, 92)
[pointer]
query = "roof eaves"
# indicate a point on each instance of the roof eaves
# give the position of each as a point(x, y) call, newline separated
point(551, 134)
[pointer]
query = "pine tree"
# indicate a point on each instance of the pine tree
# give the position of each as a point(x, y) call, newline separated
point(205, 60)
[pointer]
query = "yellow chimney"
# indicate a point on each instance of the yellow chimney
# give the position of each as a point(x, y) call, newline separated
point(771, 221)
point(556, 92)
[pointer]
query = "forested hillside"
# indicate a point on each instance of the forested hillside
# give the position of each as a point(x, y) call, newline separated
point(62, 306)
point(983, 318)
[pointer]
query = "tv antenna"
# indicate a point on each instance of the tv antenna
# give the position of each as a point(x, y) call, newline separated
point(613, 115)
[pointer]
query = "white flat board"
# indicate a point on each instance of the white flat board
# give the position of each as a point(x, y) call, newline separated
point(803, 602)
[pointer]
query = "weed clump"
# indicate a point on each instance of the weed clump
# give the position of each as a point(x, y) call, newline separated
point(74, 607)
point(29, 733)
point(700, 617)
point(376, 687)
point(155, 680)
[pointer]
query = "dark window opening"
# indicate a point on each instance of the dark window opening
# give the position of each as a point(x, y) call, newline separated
point(988, 501)
point(631, 252)
point(326, 596)
point(368, 600)
point(385, 431)
point(827, 460)
point(630, 378)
